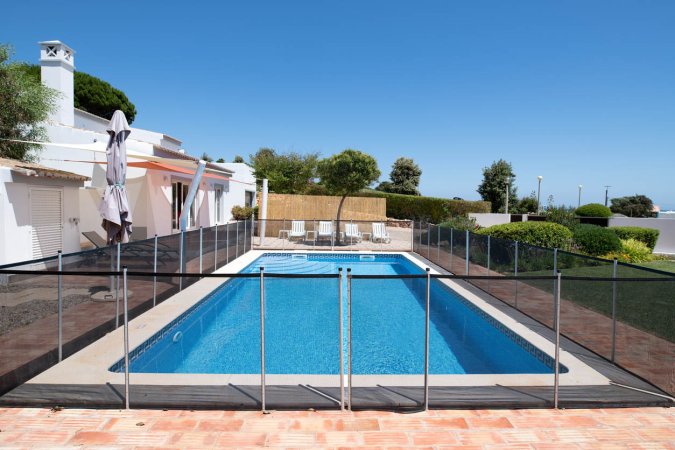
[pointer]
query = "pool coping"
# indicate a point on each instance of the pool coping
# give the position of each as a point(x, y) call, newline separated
point(90, 365)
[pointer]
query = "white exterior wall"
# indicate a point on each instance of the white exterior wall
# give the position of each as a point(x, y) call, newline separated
point(242, 181)
point(15, 215)
point(488, 219)
point(666, 227)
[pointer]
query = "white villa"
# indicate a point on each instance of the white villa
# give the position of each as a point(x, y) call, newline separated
point(156, 188)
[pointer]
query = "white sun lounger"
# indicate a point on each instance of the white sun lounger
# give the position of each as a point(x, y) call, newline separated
point(380, 233)
point(325, 230)
point(297, 230)
point(352, 232)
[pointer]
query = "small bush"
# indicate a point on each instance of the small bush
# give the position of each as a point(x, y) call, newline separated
point(463, 223)
point(593, 210)
point(561, 214)
point(242, 212)
point(632, 251)
point(595, 240)
point(543, 234)
point(648, 236)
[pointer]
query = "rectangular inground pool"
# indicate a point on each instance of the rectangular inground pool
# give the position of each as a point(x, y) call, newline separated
point(220, 334)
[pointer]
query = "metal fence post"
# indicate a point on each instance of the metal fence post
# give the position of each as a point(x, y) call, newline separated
point(515, 274)
point(426, 343)
point(283, 243)
point(262, 338)
point(60, 308)
point(555, 282)
point(614, 275)
point(313, 228)
point(215, 251)
point(488, 262)
point(117, 288)
point(349, 337)
point(332, 237)
point(419, 247)
point(227, 243)
point(236, 247)
point(412, 236)
point(451, 246)
point(467, 252)
point(126, 341)
point(428, 240)
point(201, 248)
point(245, 234)
point(438, 245)
point(182, 259)
point(342, 356)
point(556, 381)
point(252, 237)
point(154, 277)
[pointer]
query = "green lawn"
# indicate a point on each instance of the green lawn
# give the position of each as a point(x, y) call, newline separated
point(665, 265)
point(649, 306)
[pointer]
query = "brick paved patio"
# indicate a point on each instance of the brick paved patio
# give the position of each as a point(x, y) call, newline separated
point(646, 428)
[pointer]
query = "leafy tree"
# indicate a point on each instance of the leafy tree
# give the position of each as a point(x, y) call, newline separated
point(493, 187)
point(206, 157)
point(405, 178)
point(290, 173)
point(93, 94)
point(347, 173)
point(25, 103)
point(525, 205)
point(633, 206)
point(220, 160)
point(238, 159)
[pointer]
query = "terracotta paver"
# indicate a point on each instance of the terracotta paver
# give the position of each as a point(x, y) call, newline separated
point(630, 428)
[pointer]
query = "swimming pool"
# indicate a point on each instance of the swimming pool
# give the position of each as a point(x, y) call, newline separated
point(220, 334)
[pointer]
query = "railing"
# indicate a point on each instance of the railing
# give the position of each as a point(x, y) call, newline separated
point(631, 322)
point(328, 234)
point(45, 318)
point(360, 307)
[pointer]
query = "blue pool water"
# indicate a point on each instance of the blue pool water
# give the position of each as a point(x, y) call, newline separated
point(221, 334)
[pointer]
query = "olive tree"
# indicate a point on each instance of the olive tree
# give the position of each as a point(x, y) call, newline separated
point(25, 104)
point(289, 173)
point(347, 173)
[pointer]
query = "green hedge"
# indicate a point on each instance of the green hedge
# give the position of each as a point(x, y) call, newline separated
point(647, 236)
point(433, 209)
point(543, 234)
point(593, 210)
point(595, 240)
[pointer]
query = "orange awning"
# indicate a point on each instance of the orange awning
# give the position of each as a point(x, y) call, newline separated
point(161, 166)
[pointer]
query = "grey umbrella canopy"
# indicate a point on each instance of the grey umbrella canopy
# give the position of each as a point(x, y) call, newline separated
point(114, 207)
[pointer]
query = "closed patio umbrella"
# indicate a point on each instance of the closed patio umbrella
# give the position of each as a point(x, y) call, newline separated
point(114, 207)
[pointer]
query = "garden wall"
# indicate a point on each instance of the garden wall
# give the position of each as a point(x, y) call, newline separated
point(666, 241)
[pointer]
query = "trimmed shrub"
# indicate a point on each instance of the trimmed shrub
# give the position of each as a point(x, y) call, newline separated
point(561, 214)
point(433, 209)
point(595, 240)
point(463, 223)
point(632, 251)
point(647, 236)
point(241, 212)
point(593, 210)
point(543, 234)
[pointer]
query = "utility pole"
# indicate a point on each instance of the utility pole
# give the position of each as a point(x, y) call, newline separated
point(607, 194)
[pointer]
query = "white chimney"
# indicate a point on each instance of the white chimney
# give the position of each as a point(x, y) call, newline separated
point(57, 63)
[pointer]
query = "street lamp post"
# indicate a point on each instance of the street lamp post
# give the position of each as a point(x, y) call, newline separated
point(579, 201)
point(508, 188)
point(538, 193)
point(607, 194)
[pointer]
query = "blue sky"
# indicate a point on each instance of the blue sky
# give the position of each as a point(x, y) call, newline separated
point(580, 92)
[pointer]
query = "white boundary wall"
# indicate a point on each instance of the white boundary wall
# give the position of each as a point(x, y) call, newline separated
point(666, 241)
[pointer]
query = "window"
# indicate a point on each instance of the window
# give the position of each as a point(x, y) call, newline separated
point(248, 199)
point(218, 213)
point(179, 191)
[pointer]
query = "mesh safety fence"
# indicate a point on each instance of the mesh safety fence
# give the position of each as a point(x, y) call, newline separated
point(629, 322)
point(328, 235)
point(91, 306)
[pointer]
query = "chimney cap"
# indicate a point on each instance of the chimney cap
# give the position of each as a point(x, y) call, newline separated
point(56, 51)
